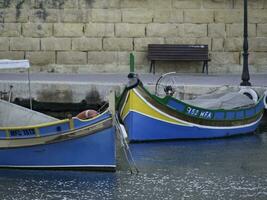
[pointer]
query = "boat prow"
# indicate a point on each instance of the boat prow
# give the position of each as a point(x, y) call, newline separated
point(148, 117)
point(62, 144)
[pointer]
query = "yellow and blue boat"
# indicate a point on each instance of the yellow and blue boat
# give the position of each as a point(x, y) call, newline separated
point(29, 139)
point(147, 117)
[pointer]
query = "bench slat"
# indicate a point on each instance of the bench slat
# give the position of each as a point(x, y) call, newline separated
point(177, 53)
point(179, 58)
point(178, 47)
point(162, 51)
point(183, 52)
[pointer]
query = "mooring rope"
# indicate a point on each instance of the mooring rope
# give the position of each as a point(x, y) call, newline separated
point(125, 146)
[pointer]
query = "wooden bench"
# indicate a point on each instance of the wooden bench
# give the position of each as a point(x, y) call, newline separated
point(173, 52)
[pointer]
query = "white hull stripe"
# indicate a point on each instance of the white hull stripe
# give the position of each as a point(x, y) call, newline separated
point(132, 110)
point(198, 125)
point(188, 123)
point(265, 99)
point(57, 166)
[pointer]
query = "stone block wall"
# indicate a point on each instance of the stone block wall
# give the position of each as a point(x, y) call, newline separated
point(98, 35)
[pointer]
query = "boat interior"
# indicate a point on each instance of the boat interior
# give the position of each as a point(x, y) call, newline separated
point(12, 115)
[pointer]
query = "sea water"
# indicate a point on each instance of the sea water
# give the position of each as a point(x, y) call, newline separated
point(232, 168)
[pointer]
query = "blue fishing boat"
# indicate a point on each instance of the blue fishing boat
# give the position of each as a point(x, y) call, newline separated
point(148, 117)
point(29, 139)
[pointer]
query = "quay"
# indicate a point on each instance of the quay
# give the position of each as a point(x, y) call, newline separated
point(54, 87)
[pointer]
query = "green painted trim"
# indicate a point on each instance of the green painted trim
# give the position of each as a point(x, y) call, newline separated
point(161, 104)
point(165, 99)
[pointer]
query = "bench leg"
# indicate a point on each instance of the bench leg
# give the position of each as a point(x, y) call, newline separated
point(152, 66)
point(205, 65)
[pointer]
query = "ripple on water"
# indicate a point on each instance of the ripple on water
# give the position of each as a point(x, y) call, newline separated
point(211, 169)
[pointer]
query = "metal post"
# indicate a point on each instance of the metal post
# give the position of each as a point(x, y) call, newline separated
point(29, 85)
point(245, 73)
point(131, 62)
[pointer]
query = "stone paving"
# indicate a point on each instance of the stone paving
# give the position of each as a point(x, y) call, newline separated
point(54, 87)
point(187, 79)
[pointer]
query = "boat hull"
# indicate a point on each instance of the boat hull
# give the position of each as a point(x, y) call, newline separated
point(145, 128)
point(147, 117)
point(93, 151)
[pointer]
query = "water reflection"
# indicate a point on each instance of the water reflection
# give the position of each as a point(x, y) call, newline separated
point(233, 168)
point(29, 184)
point(206, 155)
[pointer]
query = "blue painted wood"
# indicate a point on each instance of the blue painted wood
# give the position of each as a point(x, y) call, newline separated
point(176, 105)
point(230, 115)
point(96, 150)
point(219, 115)
point(54, 129)
point(240, 115)
point(143, 128)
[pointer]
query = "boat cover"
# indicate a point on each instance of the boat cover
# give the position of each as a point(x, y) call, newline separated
point(12, 115)
point(230, 100)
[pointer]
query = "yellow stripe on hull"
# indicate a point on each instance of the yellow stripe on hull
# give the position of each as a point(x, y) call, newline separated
point(58, 122)
point(136, 103)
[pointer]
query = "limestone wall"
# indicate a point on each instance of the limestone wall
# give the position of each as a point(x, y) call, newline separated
point(98, 35)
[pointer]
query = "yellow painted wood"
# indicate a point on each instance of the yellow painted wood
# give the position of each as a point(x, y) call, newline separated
point(135, 103)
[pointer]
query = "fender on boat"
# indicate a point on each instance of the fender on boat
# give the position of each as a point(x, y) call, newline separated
point(87, 114)
point(250, 93)
point(123, 131)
